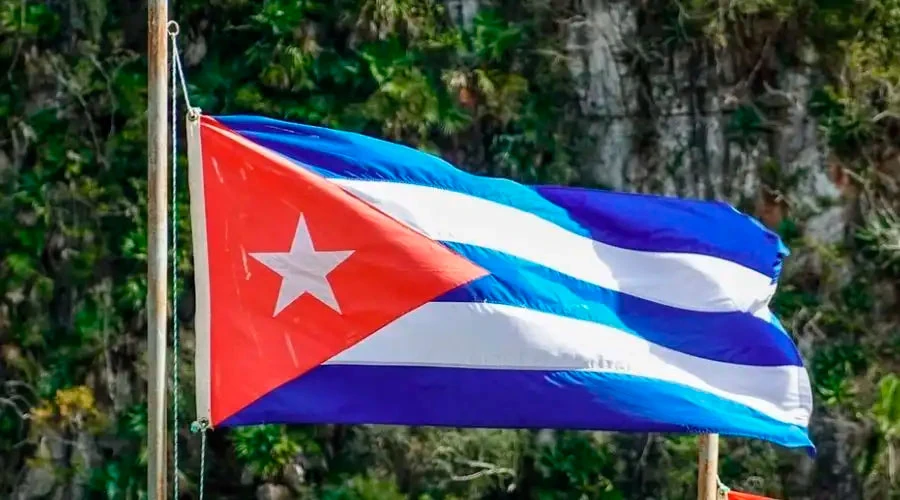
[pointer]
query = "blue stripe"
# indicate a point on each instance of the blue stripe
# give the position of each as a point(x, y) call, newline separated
point(462, 397)
point(730, 337)
point(633, 221)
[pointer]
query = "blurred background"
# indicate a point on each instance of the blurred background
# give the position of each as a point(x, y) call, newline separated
point(787, 109)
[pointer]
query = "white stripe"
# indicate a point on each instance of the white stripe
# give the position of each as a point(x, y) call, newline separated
point(684, 280)
point(478, 335)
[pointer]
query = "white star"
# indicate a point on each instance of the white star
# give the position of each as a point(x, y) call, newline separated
point(303, 269)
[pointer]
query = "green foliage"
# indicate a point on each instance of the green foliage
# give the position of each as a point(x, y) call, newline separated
point(789, 300)
point(264, 449)
point(121, 476)
point(833, 369)
point(746, 125)
point(879, 240)
point(886, 412)
point(364, 488)
point(887, 406)
point(578, 467)
point(843, 120)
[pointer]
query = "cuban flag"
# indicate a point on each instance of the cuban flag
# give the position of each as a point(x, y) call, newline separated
point(344, 279)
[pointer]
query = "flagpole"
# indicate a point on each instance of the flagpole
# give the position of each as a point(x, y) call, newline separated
point(157, 246)
point(708, 467)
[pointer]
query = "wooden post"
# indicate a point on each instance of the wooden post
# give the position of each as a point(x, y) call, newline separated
point(157, 245)
point(708, 467)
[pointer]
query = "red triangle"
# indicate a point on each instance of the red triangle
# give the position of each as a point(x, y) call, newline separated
point(254, 198)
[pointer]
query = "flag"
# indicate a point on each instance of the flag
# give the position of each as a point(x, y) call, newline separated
point(737, 495)
point(345, 279)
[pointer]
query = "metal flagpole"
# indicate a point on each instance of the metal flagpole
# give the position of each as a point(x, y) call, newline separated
point(708, 467)
point(157, 246)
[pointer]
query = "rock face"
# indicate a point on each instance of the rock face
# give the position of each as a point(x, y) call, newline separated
point(463, 11)
point(55, 453)
point(674, 119)
point(269, 491)
point(39, 481)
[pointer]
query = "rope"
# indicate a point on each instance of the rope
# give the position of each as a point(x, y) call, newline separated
point(202, 425)
point(176, 66)
point(173, 30)
point(723, 489)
